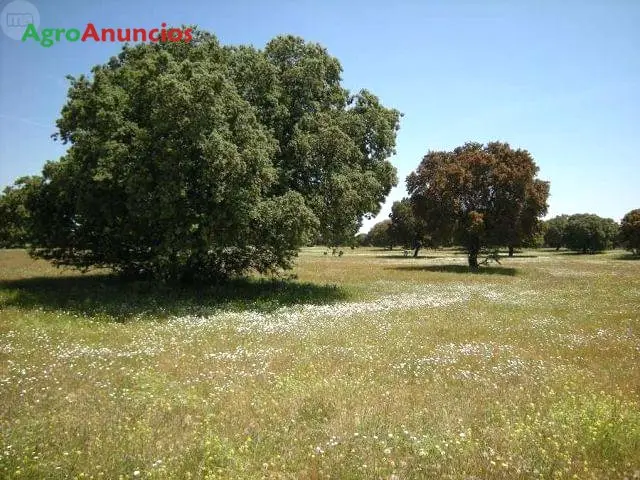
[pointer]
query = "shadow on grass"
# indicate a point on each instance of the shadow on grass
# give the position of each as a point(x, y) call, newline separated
point(627, 256)
point(579, 253)
point(111, 296)
point(572, 253)
point(459, 269)
point(408, 257)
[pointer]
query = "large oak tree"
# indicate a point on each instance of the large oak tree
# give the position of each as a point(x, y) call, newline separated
point(478, 196)
point(192, 161)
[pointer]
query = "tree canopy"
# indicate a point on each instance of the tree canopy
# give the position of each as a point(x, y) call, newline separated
point(193, 161)
point(479, 196)
point(380, 235)
point(554, 234)
point(404, 227)
point(630, 231)
point(15, 220)
point(589, 233)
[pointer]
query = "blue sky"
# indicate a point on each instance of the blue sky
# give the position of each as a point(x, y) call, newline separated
point(559, 78)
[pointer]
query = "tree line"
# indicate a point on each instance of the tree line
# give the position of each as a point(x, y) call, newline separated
point(583, 233)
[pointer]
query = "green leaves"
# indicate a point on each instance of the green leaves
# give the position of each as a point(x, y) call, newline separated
point(197, 161)
point(333, 147)
point(404, 227)
point(380, 235)
point(15, 219)
point(589, 233)
point(555, 227)
point(630, 231)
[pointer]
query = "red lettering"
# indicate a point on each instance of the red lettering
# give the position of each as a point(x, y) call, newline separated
point(139, 31)
point(175, 35)
point(187, 35)
point(90, 32)
point(111, 33)
point(164, 33)
point(152, 32)
point(122, 37)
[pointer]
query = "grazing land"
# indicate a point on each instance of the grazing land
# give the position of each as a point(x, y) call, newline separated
point(369, 365)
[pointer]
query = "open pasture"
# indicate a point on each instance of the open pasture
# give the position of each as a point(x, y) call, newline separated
point(370, 365)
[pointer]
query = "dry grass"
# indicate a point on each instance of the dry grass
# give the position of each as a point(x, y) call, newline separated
point(368, 366)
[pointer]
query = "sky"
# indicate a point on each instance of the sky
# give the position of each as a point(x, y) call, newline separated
point(558, 78)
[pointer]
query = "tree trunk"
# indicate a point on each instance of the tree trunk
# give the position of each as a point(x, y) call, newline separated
point(511, 250)
point(473, 256)
point(417, 245)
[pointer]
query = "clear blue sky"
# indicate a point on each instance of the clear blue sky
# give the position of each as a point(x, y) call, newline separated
point(559, 78)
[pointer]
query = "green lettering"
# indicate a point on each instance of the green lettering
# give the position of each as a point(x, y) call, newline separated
point(47, 34)
point(72, 35)
point(31, 32)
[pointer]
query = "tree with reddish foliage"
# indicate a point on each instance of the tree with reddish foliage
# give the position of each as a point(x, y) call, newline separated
point(479, 196)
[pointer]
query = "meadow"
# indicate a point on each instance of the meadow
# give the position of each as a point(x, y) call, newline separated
point(369, 365)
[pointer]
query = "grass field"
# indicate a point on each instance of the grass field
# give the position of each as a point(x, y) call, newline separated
point(371, 365)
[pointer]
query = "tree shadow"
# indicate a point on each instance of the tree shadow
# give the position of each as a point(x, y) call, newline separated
point(107, 295)
point(459, 269)
point(627, 256)
point(408, 257)
point(573, 253)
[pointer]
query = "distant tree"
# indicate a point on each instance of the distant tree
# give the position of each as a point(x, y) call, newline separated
point(380, 235)
point(555, 228)
point(404, 227)
point(480, 196)
point(536, 240)
point(630, 231)
point(589, 233)
point(361, 240)
point(15, 221)
point(197, 161)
